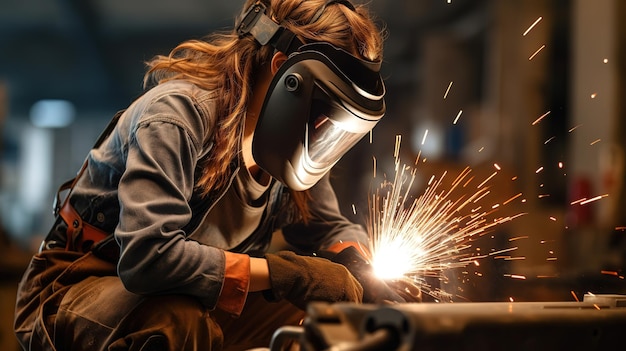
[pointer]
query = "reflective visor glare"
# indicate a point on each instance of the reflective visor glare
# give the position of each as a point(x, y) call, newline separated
point(327, 137)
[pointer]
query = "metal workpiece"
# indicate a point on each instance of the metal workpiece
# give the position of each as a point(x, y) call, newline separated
point(596, 323)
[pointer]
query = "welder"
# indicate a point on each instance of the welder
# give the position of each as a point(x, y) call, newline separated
point(162, 240)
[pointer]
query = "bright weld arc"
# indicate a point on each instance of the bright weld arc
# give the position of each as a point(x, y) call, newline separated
point(426, 236)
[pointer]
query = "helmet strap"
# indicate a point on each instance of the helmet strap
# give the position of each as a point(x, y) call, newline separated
point(265, 31)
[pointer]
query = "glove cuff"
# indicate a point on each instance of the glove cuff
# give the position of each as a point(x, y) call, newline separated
point(281, 273)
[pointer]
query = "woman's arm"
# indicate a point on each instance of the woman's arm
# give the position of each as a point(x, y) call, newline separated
point(259, 274)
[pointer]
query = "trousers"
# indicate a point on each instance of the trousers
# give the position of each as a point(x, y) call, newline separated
point(73, 301)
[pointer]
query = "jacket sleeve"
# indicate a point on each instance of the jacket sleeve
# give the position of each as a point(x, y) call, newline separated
point(154, 191)
point(328, 227)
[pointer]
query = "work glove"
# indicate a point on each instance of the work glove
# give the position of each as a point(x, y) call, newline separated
point(376, 290)
point(303, 279)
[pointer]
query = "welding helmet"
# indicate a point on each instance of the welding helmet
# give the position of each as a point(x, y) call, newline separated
point(319, 104)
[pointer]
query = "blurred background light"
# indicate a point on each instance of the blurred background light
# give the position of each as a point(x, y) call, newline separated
point(52, 113)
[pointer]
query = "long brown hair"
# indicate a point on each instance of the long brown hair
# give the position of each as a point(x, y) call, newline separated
point(224, 63)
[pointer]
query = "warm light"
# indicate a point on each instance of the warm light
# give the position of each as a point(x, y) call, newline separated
point(394, 260)
point(425, 236)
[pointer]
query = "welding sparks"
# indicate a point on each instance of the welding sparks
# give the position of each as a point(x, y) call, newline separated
point(457, 117)
point(549, 140)
point(427, 235)
point(540, 118)
point(425, 135)
point(447, 91)
point(532, 26)
point(594, 199)
point(536, 52)
point(574, 128)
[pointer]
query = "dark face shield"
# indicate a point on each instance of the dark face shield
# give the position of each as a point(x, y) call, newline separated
point(321, 102)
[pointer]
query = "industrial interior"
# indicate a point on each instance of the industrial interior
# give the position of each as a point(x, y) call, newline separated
point(529, 95)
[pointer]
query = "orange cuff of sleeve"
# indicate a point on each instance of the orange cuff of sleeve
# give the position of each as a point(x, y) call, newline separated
point(338, 247)
point(236, 283)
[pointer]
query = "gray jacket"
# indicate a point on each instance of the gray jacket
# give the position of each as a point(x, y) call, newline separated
point(139, 185)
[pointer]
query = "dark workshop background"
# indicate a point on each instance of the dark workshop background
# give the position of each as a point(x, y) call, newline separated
point(544, 108)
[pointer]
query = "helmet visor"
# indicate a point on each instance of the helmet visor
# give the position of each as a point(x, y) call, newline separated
point(331, 132)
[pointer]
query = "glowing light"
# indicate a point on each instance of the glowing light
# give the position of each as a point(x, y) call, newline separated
point(503, 251)
point(445, 95)
point(511, 199)
point(394, 258)
point(532, 26)
point(486, 180)
point(536, 52)
point(594, 199)
point(457, 117)
point(396, 150)
point(519, 238)
point(424, 236)
point(574, 128)
point(540, 118)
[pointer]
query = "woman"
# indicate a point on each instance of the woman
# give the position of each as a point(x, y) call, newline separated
point(194, 178)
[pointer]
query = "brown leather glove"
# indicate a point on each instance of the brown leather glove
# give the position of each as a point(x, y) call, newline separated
point(303, 279)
